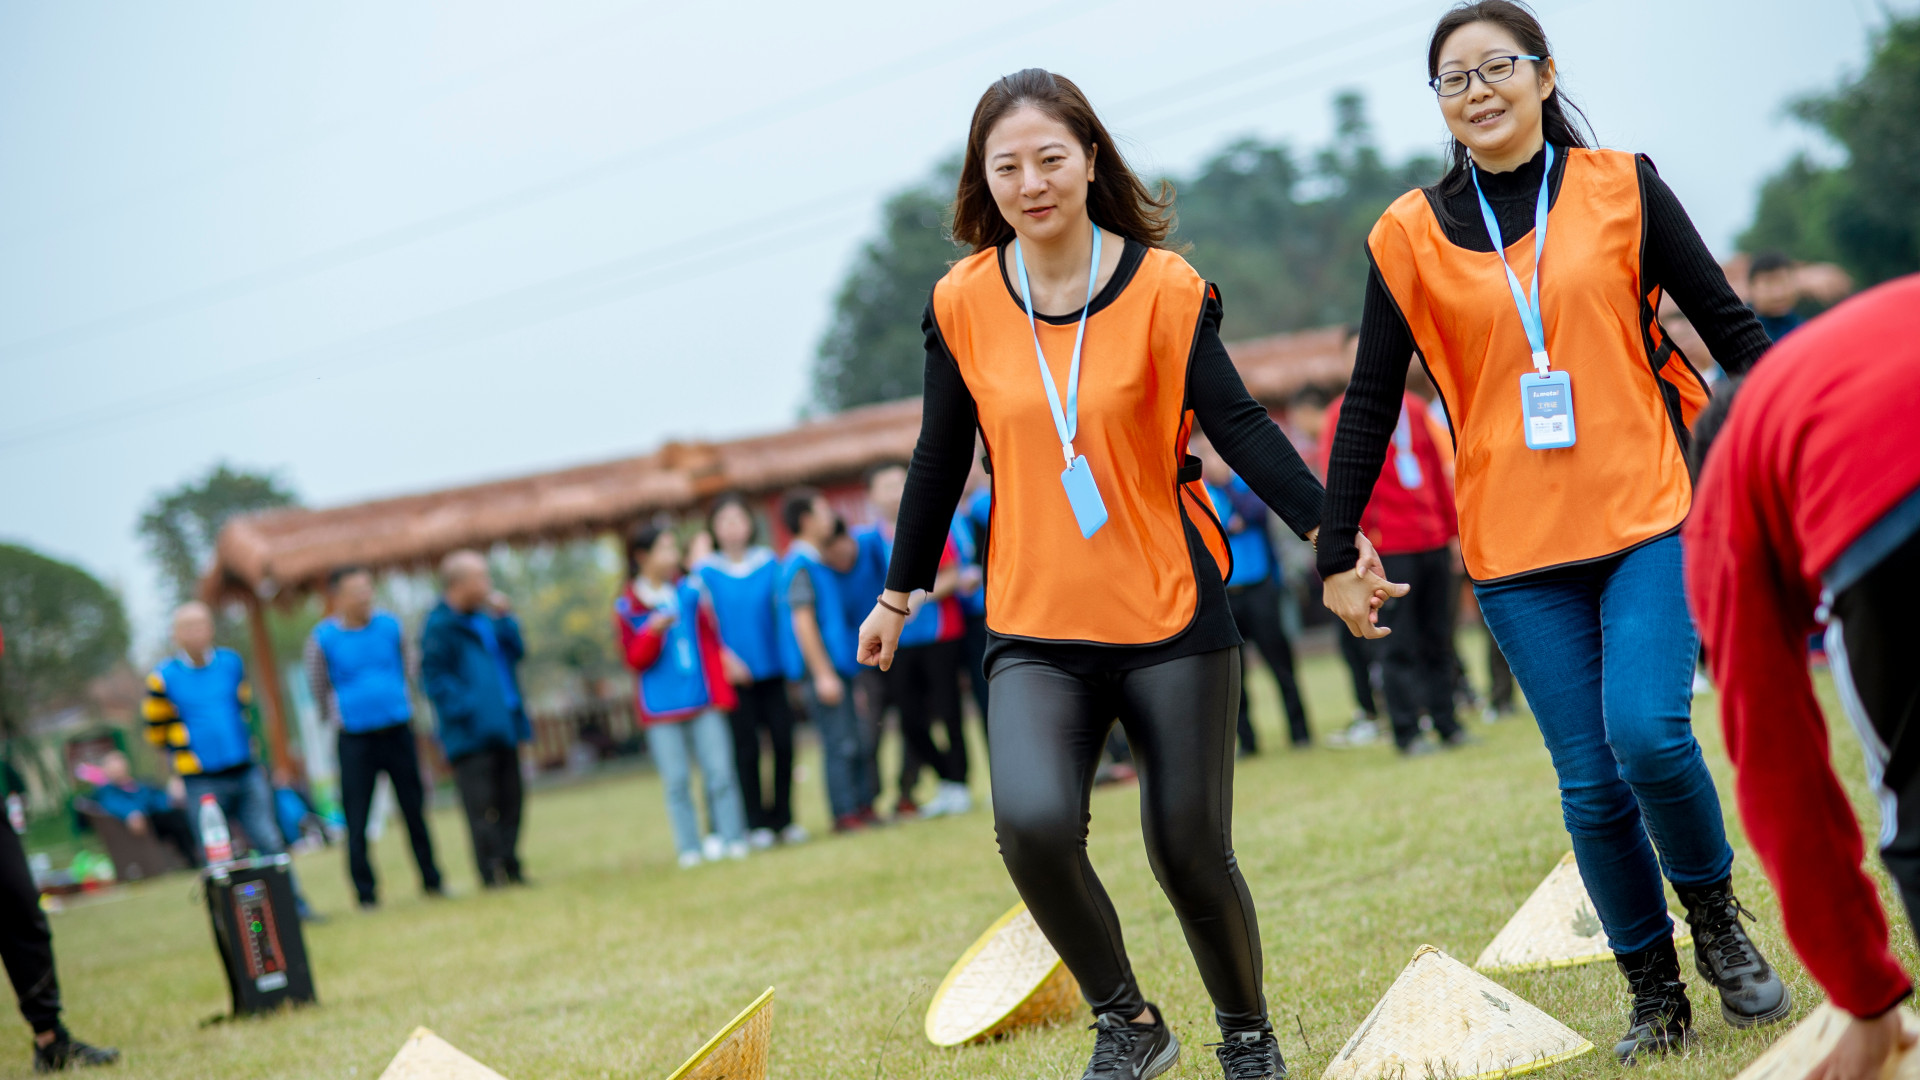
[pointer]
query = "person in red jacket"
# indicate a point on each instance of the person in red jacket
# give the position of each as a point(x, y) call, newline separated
point(1808, 506)
point(671, 640)
point(1410, 519)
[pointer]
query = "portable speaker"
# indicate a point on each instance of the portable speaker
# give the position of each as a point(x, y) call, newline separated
point(258, 930)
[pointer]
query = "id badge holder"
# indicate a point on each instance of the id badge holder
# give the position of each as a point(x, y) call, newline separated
point(1089, 509)
point(1546, 410)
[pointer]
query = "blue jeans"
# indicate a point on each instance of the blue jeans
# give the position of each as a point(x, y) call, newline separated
point(1605, 654)
point(246, 798)
point(843, 758)
point(674, 746)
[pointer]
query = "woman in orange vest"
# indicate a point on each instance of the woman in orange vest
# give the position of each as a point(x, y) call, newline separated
point(1085, 351)
point(1527, 280)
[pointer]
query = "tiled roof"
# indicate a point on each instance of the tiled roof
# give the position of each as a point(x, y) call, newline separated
point(293, 550)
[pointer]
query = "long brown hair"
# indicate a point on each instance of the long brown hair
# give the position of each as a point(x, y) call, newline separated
point(1118, 201)
point(1516, 19)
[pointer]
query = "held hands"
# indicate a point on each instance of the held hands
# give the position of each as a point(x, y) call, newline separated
point(1356, 595)
point(828, 688)
point(661, 621)
point(1866, 1049)
point(880, 633)
point(734, 668)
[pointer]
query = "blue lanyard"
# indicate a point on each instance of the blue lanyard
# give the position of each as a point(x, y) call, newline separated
point(1066, 422)
point(1529, 308)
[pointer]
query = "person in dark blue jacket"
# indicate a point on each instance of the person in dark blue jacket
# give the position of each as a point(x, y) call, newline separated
point(357, 669)
point(742, 577)
point(145, 808)
point(468, 653)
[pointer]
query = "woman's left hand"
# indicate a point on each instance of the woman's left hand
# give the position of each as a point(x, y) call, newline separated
point(880, 633)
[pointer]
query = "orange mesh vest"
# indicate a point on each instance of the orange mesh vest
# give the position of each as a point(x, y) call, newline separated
point(1625, 481)
point(1133, 582)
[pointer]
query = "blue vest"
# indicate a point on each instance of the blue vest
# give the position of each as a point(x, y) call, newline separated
point(368, 670)
point(744, 605)
point(869, 576)
point(829, 609)
point(677, 681)
point(1252, 551)
point(208, 700)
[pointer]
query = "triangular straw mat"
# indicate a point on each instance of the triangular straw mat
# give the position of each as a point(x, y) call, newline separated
point(427, 1056)
point(1799, 1050)
point(1555, 928)
point(739, 1051)
point(1442, 1018)
point(1008, 978)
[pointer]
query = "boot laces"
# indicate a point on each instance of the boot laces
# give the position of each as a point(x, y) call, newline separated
point(1654, 1006)
point(1729, 945)
point(1112, 1046)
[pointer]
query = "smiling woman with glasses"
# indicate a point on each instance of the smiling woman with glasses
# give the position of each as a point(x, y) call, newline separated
point(1528, 280)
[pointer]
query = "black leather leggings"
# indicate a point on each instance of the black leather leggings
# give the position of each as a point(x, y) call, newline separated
point(1049, 728)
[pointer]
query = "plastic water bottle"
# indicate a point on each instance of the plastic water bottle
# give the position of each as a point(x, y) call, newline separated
point(213, 832)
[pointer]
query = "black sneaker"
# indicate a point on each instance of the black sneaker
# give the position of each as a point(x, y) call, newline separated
point(1127, 1051)
point(1251, 1055)
point(67, 1052)
point(1662, 1018)
point(1750, 993)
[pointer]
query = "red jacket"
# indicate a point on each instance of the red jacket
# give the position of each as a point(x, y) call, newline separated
point(641, 648)
point(1818, 446)
point(1400, 520)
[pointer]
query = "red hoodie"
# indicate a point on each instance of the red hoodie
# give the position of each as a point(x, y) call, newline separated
point(1818, 446)
point(1400, 520)
point(641, 648)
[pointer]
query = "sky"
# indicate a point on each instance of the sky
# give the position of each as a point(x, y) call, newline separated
point(383, 247)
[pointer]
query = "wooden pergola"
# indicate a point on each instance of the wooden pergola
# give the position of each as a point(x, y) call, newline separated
point(278, 556)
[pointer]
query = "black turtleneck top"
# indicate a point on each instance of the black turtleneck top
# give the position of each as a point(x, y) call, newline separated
point(1672, 256)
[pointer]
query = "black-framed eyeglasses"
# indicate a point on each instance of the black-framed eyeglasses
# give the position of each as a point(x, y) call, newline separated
point(1498, 69)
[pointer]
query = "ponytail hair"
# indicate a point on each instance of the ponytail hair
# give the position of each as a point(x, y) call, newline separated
point(1117, 201)
point(1556, 112)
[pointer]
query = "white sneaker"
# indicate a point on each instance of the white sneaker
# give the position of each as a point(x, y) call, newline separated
point(795, 833)
point(761, 839)
point(739, 849)
point(1701, 684)
point(713, 847)
point(690, 859)
point(952, 798)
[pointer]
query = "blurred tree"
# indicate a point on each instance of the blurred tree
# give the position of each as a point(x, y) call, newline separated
point(1864, 214)
point(1284, 240)
point(63, 629)
point(563, 595)
point(181, 525)
point(873, 350)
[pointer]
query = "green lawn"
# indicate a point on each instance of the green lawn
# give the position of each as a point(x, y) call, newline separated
point(619, 964)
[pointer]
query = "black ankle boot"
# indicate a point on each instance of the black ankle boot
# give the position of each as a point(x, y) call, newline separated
point(1750, 993)
point(1662, 1018)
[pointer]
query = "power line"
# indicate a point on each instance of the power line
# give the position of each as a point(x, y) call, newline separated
point(426, 228)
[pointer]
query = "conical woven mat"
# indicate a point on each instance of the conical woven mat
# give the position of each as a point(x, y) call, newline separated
point(1008, 978)
point(1556, 927)
point(739, 1051)
point(1799, 1050)
point(427, 1056)
point(1442, 1018)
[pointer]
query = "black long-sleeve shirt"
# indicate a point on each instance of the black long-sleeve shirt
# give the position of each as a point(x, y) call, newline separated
point(1672, 256)
point(1236, 424)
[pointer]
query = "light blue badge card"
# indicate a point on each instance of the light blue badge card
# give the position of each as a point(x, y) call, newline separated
point(1089, 509)
point(1546, 409)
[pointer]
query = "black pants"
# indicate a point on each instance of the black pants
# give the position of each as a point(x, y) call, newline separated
point(1178, 717)
point(490, 790)
point(924, 683)
point(1416, 660)
point(973, 650)
point(1878, 645)
point(1359, 660)
point(764, 707)
point(364, 755)
point(172, 828)
point(26, 942)
point(1256, 611)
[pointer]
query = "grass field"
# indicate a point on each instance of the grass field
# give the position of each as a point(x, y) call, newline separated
point(618, 964)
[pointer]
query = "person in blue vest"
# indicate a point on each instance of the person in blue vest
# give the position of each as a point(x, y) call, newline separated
point(969, 534)
point(145, 809)
point(924, 681)
point(469, 651)
point(817, 652)
point(671, 639)
point(196, 712)
point(1253, 590)
point(741, 577)
point(357, 669)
